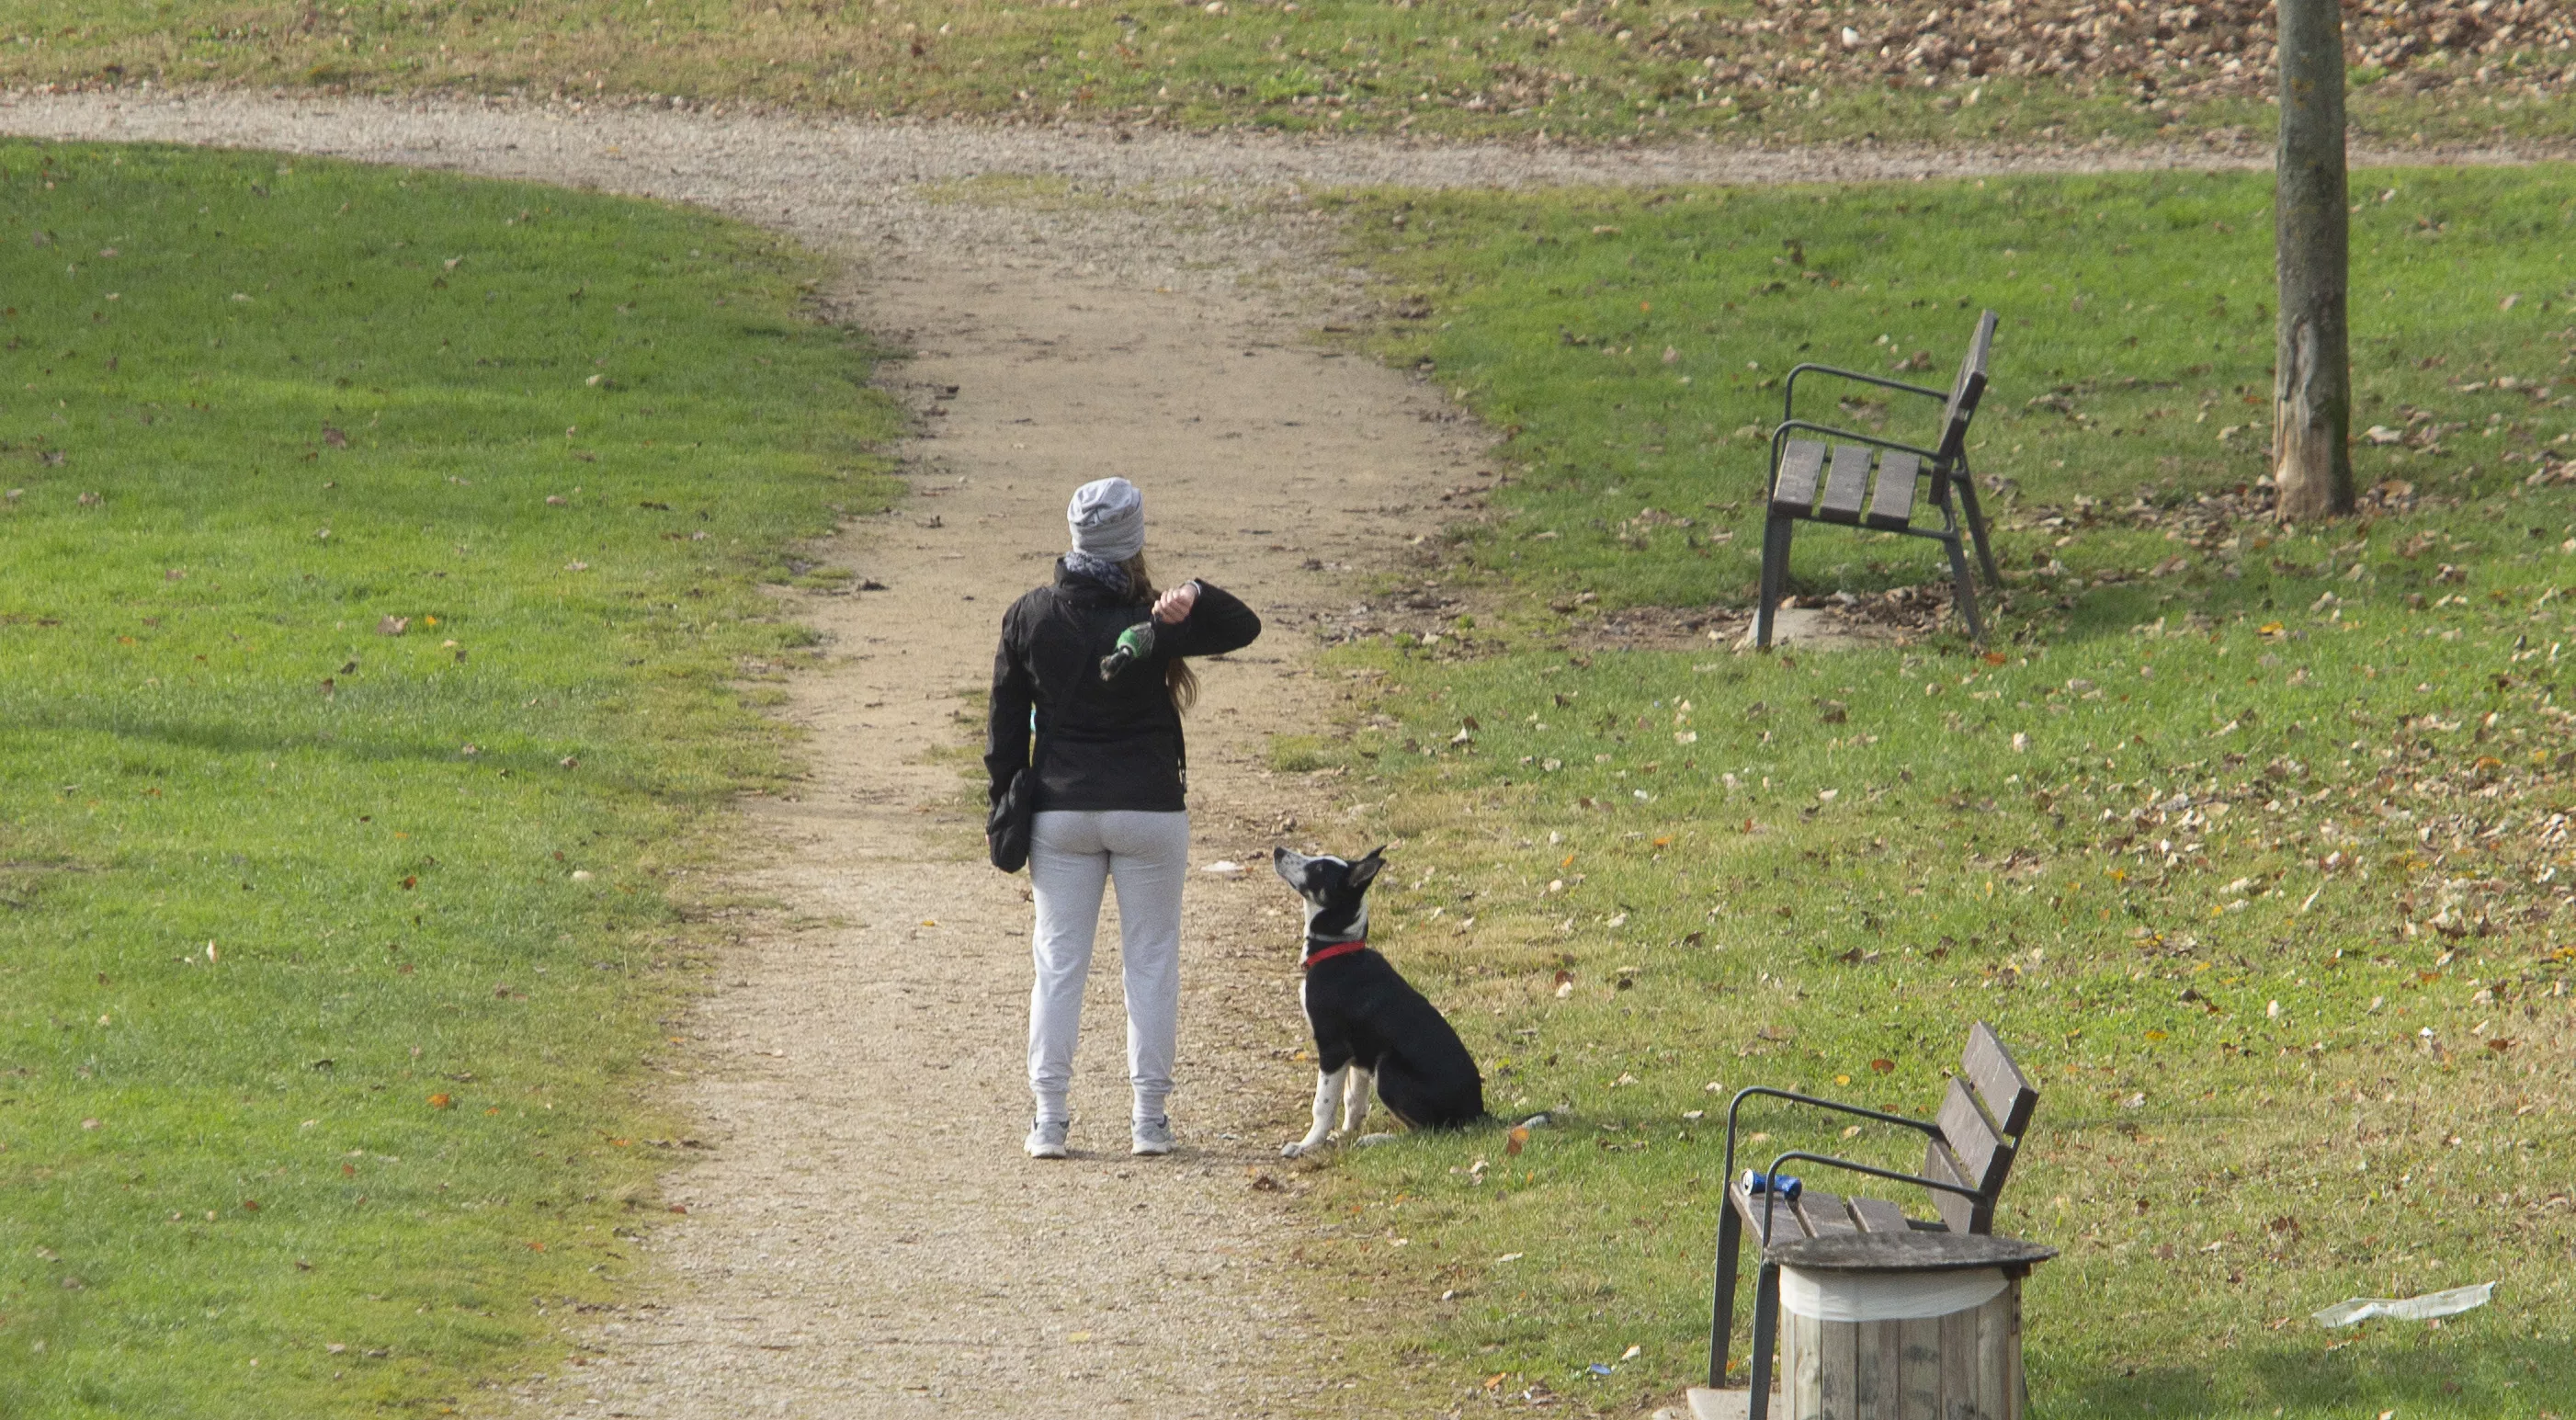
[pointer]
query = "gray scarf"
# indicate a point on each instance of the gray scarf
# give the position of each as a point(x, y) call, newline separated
point(1110, 576)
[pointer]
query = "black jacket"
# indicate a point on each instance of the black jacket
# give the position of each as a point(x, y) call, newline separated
point(1108, 744)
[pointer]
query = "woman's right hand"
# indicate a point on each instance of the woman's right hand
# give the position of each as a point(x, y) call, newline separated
point(1173, 607)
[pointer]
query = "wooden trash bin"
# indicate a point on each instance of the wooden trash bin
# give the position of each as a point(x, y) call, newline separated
point(1902, 1326)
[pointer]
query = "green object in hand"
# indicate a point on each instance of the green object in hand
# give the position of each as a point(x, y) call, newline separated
point(1134, 644)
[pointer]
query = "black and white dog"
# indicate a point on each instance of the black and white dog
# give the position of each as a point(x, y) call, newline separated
point(1371, 1027)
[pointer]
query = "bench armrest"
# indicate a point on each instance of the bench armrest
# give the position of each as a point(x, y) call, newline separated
point(1891, 1175)
point(1767, 1092)
point(1789, 386)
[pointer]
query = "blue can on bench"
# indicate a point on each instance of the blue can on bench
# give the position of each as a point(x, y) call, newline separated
point(1757, 1183)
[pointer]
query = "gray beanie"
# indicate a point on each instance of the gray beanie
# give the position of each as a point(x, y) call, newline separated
point(1108, 519)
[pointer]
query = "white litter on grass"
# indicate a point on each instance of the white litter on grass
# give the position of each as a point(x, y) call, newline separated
point(2354, 1310)
point(1224, 868)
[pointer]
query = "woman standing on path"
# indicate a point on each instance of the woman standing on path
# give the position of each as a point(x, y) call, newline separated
point(1111, 774)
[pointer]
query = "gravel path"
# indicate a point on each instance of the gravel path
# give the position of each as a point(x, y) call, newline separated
point(859, 186)
point(865, 1239)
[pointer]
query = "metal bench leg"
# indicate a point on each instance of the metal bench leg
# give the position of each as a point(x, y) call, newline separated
point(1977, 529)
point(1730, 1239)
point(1964, 589)
point(1766, 1323)
point(1776, 531)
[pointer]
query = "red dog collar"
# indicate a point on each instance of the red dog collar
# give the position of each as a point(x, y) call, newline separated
point(1337, 949)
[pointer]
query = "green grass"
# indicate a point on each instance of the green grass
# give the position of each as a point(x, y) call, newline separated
point(2246, 839)
point(1643, 69)
point(333, 962)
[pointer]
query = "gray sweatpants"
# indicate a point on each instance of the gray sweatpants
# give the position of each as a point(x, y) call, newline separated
point(1073, 857)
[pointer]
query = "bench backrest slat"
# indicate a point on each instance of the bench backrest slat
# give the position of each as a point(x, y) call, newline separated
point(1965, 392)
point(1982, 1152)
point(1959, 1215)
point(2008, 1094)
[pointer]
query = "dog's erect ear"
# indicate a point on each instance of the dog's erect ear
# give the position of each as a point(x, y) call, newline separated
point(1366, 869)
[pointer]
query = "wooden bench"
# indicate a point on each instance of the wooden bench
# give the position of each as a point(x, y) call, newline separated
point(1828, 480)
point(1968, 1151)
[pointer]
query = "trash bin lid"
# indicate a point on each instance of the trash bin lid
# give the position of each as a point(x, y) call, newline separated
point(1923, 1250)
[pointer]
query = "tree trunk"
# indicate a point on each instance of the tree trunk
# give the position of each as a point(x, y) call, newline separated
point(2312, 379)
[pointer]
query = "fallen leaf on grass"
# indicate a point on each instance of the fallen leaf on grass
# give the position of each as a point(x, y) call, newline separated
point(1515, 1141)
point(393, 626)
point(442, 1102)
point(1883, 1066)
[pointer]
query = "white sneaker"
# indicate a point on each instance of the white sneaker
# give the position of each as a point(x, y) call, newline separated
point(1046, 1139)
point(1151, 1137)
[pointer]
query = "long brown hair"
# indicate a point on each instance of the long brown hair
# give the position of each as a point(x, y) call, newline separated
point(1178, 679)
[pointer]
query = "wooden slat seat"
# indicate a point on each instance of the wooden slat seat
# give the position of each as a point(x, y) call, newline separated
point(1877, 1215)
point(1891, 507)
point(1817, 1213)
point(1802, 468)
point(1846, 486)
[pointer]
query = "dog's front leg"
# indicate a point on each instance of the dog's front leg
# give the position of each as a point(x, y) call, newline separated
point(1355, 1101)
point(1328, 1089)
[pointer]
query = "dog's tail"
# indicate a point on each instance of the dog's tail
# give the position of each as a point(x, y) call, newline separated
point(1490, 1120)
